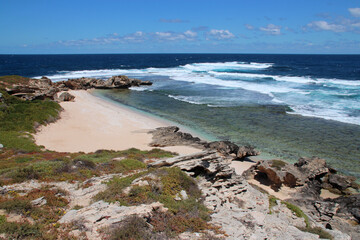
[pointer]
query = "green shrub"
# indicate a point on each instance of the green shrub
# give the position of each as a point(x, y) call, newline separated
point(272, 202)
point(318, 231)
point(278, 164)
point(24, 174)
point(16, 230)
point(19, 117)
point(132, 227)
point(127, 165)
point(19, 206)
point(298, 212)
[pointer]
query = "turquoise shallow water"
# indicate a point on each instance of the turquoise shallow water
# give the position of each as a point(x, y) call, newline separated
point(268, 127)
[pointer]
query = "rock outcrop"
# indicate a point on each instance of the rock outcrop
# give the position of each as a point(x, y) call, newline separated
point(309, 176)
point(310, 172)
point(171, 136)
point(44, 88)
point(241, 210)
point(227, 147)
point(100, 215)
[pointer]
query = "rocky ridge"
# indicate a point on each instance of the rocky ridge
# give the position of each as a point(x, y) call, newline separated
point(44, 88)
point(242, 211)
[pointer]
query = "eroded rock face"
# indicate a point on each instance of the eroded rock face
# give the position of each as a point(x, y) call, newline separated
point(309, 176)
point(240, 210)
point(209, 164)
point(171, 136)
point(277, 172)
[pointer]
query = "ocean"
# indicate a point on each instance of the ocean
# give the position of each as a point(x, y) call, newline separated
point(287, 106)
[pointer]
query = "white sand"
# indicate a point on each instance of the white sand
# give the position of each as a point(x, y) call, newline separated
point(241, 166)
point(90, 123)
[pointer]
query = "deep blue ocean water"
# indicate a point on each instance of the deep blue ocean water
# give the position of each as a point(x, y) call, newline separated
point(286, 105)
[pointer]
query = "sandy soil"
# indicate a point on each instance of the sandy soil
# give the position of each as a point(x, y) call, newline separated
point(90, 123)
point(241, 166)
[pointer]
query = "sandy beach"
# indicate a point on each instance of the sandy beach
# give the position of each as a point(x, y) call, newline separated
point(90, 123)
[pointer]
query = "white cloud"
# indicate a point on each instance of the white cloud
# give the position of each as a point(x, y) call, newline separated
point(355, 12)
point(134, 37)
point(173, 36)
point(271, 29)
point(190, 33)
point(221, 34)
point(249, 26)
point(323, 25)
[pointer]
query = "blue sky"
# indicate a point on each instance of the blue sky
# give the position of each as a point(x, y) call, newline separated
point(172, 26)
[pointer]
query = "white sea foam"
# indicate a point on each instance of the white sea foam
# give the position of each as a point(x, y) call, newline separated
point(226, 65)
point(308, 96)
point(325, 113)
point(102, 73)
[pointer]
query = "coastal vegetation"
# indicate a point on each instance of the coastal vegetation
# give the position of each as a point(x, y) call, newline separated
point(170, 186)
point(20, 118)
point(168, 196)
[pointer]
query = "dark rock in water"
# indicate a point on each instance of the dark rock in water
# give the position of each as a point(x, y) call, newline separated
point(171, 136)
point(65, 97)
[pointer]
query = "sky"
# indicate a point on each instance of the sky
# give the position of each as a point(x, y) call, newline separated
point(172, 26)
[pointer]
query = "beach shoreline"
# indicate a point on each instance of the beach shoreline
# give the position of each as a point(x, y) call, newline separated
point(90, 123)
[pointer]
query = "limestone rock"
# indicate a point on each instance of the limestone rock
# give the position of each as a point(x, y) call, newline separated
point(65, 97)
point(101, 214)
point(39, 201)
point(171, 136)
point(246, 151)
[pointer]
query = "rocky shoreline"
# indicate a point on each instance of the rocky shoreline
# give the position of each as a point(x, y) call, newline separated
point(44, 88)
point(239, 209)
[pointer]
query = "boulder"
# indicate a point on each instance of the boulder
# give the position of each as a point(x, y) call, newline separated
point(246, 151)
point(313, 168)
point(341, 182)
point(65, 97)
point(276, 173)
point(225, 147)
